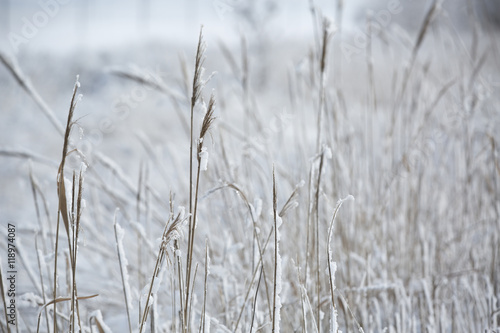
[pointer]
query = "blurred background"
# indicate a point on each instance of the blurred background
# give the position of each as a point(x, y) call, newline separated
point(66, 25)
point(53, 40)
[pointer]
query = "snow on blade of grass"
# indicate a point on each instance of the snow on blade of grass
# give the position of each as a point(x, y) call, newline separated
point(122, 259)
point(120, 233)
point(334, 326)
point(159, 280)
point(99, 321)
point(29, 300)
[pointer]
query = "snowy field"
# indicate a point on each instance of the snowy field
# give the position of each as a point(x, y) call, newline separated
point(156, 180)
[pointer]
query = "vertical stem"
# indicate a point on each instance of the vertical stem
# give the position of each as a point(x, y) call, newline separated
point(190, 236)
point(55, 276)
point(275, 251)
point(191, 244)
point(316, 243)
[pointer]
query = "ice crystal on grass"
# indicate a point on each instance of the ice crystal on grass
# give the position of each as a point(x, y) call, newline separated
point(120, 233)
point(203, 158)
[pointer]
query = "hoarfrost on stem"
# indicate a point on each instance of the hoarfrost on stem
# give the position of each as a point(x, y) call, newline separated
point(77, 83)
point(208, 264)
point(203, 159)
point(258, 207)
point(279, 222)
point(328, 152)
point(333, 315)
point(334, 327)
point(159, 280)
point(97, 315)
point(120, 233)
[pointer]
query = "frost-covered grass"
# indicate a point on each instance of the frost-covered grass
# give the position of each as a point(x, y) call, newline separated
point(229, 212)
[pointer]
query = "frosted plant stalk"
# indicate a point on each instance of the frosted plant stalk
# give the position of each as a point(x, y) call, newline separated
point(332, 266)
point(122, 259)
point(277, 263)
point(203, 158)
point(279, 284)
point(97, 315)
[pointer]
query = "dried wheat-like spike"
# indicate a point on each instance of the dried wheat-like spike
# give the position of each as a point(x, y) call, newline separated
point(198, 69)
point(209, 118)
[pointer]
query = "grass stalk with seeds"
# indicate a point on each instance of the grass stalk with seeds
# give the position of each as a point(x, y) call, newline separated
point(170, 233)
point(195, 97)
point(326, 36)
point(64, 214)
point(201, 150)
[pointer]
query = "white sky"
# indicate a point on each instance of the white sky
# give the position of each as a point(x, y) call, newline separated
point(27, 26)
point(69, 25)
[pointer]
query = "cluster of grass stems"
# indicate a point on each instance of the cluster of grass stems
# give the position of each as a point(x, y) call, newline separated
point(292, 286)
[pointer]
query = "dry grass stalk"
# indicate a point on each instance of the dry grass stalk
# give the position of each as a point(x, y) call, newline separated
point(260, 248)
point(75, 225)
point(331, 273)
point(148, 79)
point(322, 71)
point(305, 302)
point(63, 203)
point(26, 154)
point(277, 273)
point(310, 226)
point(40, 270)
point(16, 72)
point(140, 277)
point(314, 17)
point(37, 191)
point(180, 279)
point(249, 289)
point(155, 82)
point(61, 189)
point(430, 15)
point(425, 26)
point(208, 120)
point(316, 234)
point(171, 232)
point(254, 307)
point(245, 85)
point(2, 290)
point(191, 299)
point(291, 202)
point(205, 288)
point(59, 300)
point(196, 93)
point(122, 263)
